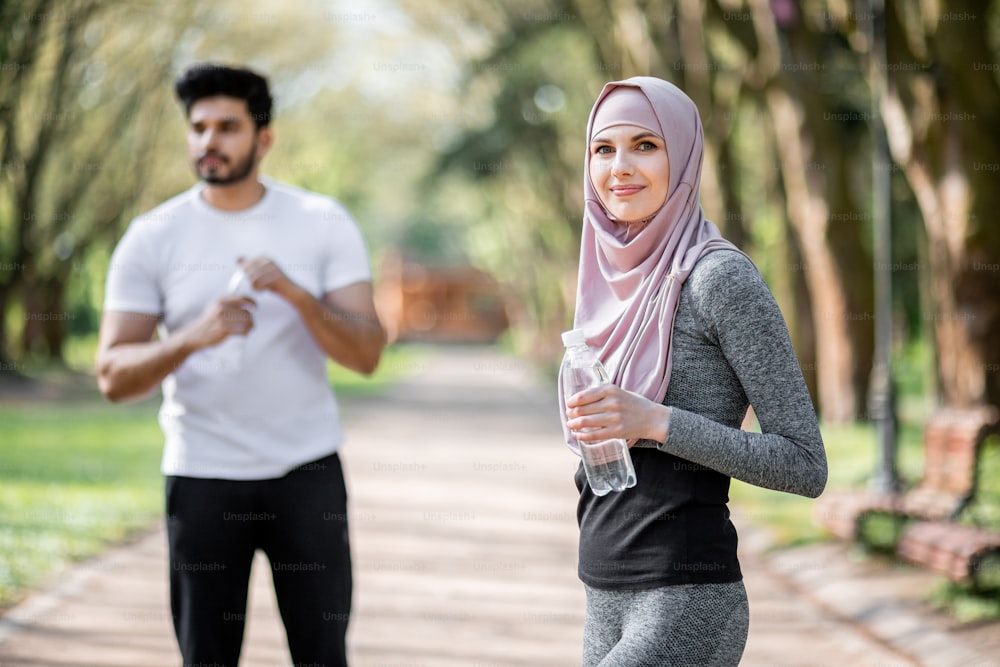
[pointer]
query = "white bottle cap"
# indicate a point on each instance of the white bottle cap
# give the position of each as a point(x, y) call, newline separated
point(239, 284)
point(574, 338)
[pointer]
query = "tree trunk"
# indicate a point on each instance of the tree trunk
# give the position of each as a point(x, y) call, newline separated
point(943, 116)
point(6, 360)
point(959, 364)
point(808, 211)
point(45, 318)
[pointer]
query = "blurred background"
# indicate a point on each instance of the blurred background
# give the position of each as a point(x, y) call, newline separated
point(454, 133)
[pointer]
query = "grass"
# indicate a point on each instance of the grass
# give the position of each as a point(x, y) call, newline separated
point(79, 474)
point(73, 478)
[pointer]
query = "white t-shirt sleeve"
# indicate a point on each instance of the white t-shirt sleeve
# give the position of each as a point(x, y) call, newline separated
point(347, 262)
point(132, 284)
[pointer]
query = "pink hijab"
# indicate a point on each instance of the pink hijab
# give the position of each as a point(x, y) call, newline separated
point(628, 290)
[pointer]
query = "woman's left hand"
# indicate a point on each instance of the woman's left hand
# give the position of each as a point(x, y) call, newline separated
point(605, 412)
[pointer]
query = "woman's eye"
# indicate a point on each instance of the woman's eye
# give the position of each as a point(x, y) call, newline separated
point(602, 150)
point(647, 146)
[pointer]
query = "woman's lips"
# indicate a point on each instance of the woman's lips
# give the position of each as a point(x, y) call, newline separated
point(625, 190)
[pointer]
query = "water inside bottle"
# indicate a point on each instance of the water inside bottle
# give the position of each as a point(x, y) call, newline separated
point(608, 464)
point(605, 467)
point(583, 378)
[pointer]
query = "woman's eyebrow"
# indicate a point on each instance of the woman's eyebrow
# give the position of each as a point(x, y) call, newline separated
point(641, 135)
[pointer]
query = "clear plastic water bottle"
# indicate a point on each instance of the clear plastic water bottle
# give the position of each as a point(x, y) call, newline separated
point(608, 463)
point(227, 356)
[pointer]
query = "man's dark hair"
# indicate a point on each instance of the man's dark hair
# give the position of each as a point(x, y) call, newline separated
point(208, 79)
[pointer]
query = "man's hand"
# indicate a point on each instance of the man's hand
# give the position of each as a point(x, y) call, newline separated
point(343, 321)
point(264, 274)
point(228, 316)
point(130, 363)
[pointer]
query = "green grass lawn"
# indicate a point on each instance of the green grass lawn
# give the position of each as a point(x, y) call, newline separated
point(79, 474)
point(73, 478)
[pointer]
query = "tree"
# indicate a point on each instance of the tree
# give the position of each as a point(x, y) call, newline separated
point(728, 62)
point(80, 118)
point(943, 117)
point(86, 94)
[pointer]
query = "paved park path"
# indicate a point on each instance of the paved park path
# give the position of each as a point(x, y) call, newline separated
point(463, 529)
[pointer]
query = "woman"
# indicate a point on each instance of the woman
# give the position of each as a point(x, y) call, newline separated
point(691, 337)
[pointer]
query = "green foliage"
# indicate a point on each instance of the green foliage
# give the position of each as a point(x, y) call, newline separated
point(91, 140)
point(511, 177)
point(964, 605)
point(880, 531)
point(985, 511)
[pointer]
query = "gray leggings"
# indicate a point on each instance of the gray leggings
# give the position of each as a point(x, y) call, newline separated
point(691, 625)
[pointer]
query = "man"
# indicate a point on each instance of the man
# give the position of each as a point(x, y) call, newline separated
point(250, 455)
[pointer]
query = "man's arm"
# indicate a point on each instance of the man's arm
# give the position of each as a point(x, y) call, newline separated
point(130, 363)
point(343, 323)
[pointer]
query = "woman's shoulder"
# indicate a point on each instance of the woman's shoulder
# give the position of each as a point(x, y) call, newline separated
point(726, 284)
point(722, 268)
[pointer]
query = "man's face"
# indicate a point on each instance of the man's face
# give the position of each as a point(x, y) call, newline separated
point(224, 144)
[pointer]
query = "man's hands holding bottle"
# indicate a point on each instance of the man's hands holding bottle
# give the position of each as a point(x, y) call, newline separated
point(265, 275)
point(232, 314)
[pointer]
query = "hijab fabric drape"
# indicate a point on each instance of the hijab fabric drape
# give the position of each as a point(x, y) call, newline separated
point(628, 288)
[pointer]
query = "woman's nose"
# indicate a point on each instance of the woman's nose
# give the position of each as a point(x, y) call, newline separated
point(621, 164)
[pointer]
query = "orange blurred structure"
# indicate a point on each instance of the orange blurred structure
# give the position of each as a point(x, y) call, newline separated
point(441, 304)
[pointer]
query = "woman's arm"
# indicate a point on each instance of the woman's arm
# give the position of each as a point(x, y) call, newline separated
point(736, 305)
point(739, 312)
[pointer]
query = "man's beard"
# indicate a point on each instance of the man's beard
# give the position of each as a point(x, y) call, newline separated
point(238, 171)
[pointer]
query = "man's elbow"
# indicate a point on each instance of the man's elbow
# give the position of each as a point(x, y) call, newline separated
point(370, 360)
point(369, 364)
point(109, 388)
point(109, 384)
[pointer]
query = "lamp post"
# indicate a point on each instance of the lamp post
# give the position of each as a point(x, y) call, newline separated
point(881, 401)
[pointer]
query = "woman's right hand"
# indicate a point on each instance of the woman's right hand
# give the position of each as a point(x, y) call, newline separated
point(607, 411)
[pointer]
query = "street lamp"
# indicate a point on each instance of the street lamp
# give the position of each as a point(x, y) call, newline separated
point(881, 401)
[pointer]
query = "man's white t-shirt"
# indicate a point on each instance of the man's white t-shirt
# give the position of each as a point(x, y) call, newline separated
point(278, 410)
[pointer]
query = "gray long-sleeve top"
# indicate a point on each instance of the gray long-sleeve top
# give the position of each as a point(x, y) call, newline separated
point(731, 349)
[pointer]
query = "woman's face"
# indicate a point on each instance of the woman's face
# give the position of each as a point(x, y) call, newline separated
point(630, 171)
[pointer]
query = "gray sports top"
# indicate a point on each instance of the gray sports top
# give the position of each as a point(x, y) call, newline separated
point(731, 349)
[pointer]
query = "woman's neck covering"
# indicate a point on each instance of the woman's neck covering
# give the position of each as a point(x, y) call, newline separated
point(628, 289)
